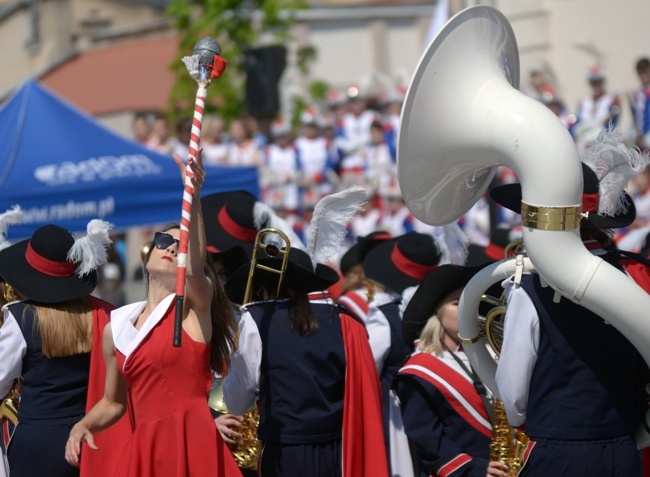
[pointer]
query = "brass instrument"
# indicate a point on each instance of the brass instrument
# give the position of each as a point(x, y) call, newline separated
point(271, 249)
point(491, 325)
point(9, 405)
point(246, 450)
point(508, 444)
point(8, 293)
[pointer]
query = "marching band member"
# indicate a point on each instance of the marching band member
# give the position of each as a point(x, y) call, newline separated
point(442, 401)
point(640, 104)
point(356, 292)
point(311, 366)
point(600, 110)
point(573, 379)
point(167, 385)
point(395, 264)
point(281, 170)
point(7, 294)
point(51, 338)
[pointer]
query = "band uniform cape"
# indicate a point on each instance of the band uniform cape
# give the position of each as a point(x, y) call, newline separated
point(174, 433)
point(111, 441)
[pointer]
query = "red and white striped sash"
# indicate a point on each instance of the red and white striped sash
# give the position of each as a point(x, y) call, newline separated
point(456, 389)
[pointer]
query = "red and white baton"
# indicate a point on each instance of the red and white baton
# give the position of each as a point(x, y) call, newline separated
point(204, 65)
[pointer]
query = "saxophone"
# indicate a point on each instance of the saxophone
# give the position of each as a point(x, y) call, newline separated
point(246, 450)
point(10, 403)
point(508, 443)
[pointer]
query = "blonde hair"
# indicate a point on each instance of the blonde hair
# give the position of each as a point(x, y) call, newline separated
point(431, 336)
point(66, 328)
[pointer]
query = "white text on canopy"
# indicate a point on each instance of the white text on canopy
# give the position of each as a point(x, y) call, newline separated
point(97, 169)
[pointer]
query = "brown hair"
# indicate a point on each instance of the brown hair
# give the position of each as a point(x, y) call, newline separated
point(66, 328)
point(301, 313)
point(224, 327)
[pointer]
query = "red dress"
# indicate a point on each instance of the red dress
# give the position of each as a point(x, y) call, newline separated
point(174, 434)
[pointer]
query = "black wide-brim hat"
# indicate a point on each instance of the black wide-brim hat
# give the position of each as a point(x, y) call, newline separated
point(509, 196)
point(492, 252)
point(234, 257)
point(39, 270)
point(357, 252)
point(403, 261)
point(229, 219)
point(299, 275)
point(435, 286)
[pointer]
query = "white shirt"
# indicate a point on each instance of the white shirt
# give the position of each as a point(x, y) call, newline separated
point(312, 154)
point(378, 328)
point(242, 384)
point(519, 352)
point(215, 154)
point(12, 350)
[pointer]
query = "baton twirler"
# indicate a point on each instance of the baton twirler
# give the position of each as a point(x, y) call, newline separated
point(204, 65)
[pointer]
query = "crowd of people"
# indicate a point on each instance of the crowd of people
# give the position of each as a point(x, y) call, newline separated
point(352, 139)
point(342, 336)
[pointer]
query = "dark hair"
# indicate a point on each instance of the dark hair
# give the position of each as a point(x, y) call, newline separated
point(643, 64)
point(301, 313)
point(139, 116)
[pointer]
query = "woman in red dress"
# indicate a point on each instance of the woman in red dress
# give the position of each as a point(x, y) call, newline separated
point(174, 434)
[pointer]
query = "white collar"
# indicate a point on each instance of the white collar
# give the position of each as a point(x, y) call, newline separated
point(125, 336)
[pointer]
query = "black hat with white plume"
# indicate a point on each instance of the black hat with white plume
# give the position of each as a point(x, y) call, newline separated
point(306, 269)
point(52, 266)
point(607, 167)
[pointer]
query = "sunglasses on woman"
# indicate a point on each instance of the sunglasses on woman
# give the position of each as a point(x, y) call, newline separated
point(162, 240)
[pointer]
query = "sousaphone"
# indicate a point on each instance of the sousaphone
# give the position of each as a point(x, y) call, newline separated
point(464, 116)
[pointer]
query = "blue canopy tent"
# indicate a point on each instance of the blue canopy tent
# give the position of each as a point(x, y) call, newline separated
point(61, 166)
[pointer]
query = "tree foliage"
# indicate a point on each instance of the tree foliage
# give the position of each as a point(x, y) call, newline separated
point(237, 25)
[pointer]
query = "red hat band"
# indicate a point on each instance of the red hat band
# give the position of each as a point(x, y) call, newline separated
point(590, 202)
point(495, 252)
point(47, 266)
point(409, 267)
point(234, 229)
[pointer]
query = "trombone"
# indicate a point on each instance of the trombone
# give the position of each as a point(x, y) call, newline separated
point(272, 249)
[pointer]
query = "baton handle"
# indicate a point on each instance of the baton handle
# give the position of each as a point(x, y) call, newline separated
point(178, 321)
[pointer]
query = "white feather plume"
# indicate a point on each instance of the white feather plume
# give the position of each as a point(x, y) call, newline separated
point(192, 65)
point(329, 222)
point(89, 252)
point(265, 217)
point(453, 243)
point(407, 294)
point(615, 164)
point(10, 217)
